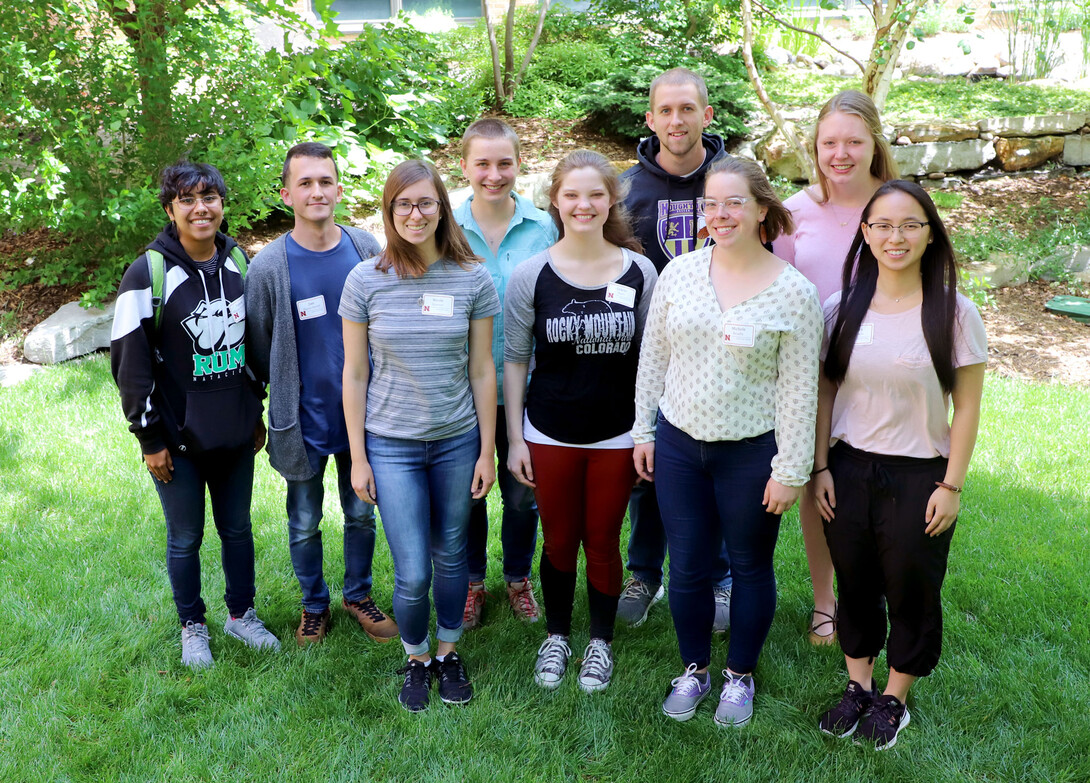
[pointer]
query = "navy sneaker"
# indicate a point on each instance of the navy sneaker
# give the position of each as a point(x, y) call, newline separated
point(841, 720)
point(883, 722)
point(454, 686)
point(416, 689)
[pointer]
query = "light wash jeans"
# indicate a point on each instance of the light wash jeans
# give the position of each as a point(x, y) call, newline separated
point(423, 490)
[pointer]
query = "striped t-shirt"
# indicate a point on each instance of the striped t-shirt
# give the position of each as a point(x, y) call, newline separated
point(418, 332)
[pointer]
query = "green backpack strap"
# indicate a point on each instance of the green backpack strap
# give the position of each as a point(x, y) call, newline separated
point(240, 260)
point(157, 267)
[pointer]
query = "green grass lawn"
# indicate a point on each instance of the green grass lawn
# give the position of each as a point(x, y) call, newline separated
point(92, 687)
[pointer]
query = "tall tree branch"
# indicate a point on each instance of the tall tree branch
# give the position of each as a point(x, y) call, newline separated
point(533, 45)
point(497, 75)
point(814, 33)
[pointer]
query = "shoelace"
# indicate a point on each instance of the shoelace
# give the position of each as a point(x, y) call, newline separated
point(635, 589)
point(311, 623)
point(367, 606)
point(414, 674)
point(196, 631)
point(687, 684)
point(734, 690)
point(472, 599)
point(524, 598)
point(596, 660)
point(884, 711)
point(452, 669)
point(554, 653)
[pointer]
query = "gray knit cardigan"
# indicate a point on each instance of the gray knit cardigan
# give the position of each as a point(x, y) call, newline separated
point(271, 350)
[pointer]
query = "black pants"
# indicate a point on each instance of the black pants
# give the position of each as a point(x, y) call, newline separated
point(883, 557)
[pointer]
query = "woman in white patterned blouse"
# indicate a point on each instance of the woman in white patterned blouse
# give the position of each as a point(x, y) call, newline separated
point(725, 403)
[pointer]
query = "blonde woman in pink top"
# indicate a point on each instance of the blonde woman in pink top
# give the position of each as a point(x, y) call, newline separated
point(902, 344)
point(853, 159)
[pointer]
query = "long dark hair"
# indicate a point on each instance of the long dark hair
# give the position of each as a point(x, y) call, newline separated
point(617, 229)
point(401, 254)
point(938, 273)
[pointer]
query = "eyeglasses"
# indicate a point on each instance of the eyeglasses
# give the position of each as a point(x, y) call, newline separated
point(908, 230)
point(209, 200)
point(427, 206)
point(732, 205)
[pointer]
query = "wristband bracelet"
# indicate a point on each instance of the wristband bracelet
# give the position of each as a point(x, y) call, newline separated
point(819, 470)
point(950, 487)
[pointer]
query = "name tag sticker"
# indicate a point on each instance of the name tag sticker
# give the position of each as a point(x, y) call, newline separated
point(437, 304)
point(311, 308)
point(866, 334)
point(740, 335)
point(621, 294)
point(236, 310)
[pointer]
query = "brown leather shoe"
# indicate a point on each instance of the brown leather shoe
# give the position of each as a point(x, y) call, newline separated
point(371, 619)
point(312, 628)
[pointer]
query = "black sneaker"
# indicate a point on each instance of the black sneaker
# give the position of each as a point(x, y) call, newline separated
point(883, 722)
point(842, 719)
point(417, 686)
point(454, 686)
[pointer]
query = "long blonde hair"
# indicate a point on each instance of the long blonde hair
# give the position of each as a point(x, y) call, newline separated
point(882, 165)
point(618, 228)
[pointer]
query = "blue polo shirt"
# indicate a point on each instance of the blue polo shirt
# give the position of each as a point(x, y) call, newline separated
point(530, 232)
point(317, 279)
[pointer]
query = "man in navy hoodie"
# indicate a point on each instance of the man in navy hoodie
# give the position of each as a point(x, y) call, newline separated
point(664, 192)
point(292, 294)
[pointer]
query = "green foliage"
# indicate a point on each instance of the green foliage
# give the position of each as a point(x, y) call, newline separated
point(83, 140)
point(694, 26)
point(1033, 30)
point(937, 18)
point(617, 104)
point(800, 15)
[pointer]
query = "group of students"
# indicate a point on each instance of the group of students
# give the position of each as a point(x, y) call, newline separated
point(662, 328)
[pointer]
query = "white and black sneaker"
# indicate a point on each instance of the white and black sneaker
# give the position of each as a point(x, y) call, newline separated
point(597, 667)
point(552, 661)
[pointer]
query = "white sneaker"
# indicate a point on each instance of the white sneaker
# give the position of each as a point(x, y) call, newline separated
point(597, 666)
point(252, 631)
point(552, 661)
point(196, 653)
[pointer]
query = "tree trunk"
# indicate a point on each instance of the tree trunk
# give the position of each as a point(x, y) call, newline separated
point(497, 74)
point(509, 53)
point(533, 45)
point(893, 21)
point(758, 85)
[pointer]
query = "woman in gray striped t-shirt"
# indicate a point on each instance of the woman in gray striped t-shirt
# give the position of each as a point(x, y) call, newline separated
point(422, 420)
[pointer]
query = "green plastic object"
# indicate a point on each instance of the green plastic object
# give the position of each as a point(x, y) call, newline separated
point(1072, 306)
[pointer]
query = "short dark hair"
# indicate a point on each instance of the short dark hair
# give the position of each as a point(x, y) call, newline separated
point(185, 176)
point(307, 149)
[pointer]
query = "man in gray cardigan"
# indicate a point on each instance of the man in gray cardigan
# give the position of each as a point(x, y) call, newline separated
point(293, 289)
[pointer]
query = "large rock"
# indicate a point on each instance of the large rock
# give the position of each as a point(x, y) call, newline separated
point(918, 160)
point(1001, 270)
point(1065, 262)
point(938, 131)
point(1017, 153)
point(1077, 150)
point(779, 157)
point(1039, 125)
point(70, 332)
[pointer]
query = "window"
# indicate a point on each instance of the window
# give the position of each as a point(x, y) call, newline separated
point(352, 13)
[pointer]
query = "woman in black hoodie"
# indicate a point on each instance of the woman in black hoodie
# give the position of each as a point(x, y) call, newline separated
point(178, 355)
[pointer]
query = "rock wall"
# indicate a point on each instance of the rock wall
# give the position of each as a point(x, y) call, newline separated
point(934, 149)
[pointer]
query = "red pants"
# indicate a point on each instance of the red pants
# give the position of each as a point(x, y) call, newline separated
point(582, 496)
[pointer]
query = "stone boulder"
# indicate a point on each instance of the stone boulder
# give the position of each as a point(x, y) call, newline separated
point(921, 159)
point(1040, 125)
point(779, 157)
point(1077, 150)
point(938, 131)
point(1017, 153)
point(1066, 262)
point(70, 332)
point(1000, 271)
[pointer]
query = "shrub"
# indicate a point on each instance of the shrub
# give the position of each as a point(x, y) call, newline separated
point(617, 104)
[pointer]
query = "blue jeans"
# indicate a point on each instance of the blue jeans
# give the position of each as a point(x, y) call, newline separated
point(711, 492)
point(304, 506)
point(229, 476)
point(424, 496)
point(647, 540)
point(518, 527)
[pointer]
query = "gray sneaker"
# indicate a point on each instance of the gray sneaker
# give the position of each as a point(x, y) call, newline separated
point(688, 691)
point(597, 666)
point(196, 653)
point(636, 601)
point(552, 661)
point(251, 630)
point(722, 610)
point(735, 701)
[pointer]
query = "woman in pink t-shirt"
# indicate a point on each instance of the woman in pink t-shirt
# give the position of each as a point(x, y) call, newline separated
point(901, 345)
point(853, 159)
